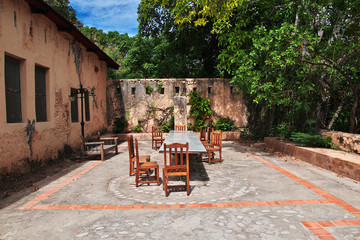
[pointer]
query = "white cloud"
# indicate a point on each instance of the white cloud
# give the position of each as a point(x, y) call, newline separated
point(108, 15)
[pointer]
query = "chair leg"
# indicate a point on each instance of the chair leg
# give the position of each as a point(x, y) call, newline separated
point(209, 154)
point(130, 168)
point(137, 178)
point(187, 185)
point(157, 176)
point(220, 156)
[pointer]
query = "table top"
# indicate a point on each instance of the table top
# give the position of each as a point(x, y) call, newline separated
point(195, 145)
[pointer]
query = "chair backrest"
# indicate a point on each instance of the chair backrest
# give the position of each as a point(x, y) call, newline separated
point(216, 138)
point(208, 135)
point(174, 155)
point(203, 133)
point(156, 132)
point(130, 140)
point(137, 154)
point(180, 128)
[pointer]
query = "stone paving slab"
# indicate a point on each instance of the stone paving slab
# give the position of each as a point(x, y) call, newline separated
point(251, 195)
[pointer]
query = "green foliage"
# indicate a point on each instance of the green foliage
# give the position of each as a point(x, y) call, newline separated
point(200, 109)
point(159, 87)
point(167, 126)
point(137, 128)
point(120, 125)
point(224, 124)
point(311, 140)
point(148, 89)
point(62, 6)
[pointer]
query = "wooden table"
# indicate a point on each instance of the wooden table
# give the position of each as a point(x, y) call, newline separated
point(195, 145)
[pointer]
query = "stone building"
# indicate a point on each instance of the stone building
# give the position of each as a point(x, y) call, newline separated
point(43, 60)
point(148, 100)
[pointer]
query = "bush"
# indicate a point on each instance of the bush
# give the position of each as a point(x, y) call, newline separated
point(137, 129)
point(119, 125)
point(167, 126)
point(224, 124)
point(311, 140)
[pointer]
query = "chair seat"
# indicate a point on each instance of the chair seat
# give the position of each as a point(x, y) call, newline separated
point(212, 149)
point(149, 165)
point(142, 158)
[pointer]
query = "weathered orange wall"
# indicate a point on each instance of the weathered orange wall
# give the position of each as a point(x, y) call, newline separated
point(36, 40)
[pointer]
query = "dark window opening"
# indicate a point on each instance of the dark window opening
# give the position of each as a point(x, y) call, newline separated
point(87, 106)
point(40, 94)
point(74, 107)
point(162, 90)
point(209, 90)
point(133, 91)
point(15, 18)
point(177, 89)
point(118, 90)
point(13, 93)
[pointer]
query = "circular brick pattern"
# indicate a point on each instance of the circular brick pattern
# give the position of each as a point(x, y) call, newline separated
point(207, 185)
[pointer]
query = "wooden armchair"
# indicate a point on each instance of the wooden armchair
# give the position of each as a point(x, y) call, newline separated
point(101, 147)
point(180, 128)
point(213, 147)
point(145, 168)
point(132, 156)
point(156, 137)
point(176, 166)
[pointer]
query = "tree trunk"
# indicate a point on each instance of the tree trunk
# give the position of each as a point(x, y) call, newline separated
point(354, 108)
point(336, 114)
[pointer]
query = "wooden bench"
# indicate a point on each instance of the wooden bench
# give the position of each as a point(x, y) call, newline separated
point(105, 145)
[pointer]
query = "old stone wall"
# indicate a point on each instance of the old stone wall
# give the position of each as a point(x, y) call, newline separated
point(349, 142)
point(129, 97)
point(34, 40)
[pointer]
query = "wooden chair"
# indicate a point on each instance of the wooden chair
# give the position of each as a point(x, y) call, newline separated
point(145, 168)
point(156, 137)
point(203, 132)
point(132, 156)
point(215, 146)
point(176, 166)
point(180, 128)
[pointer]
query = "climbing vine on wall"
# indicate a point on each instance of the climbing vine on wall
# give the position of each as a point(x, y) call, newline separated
point(78, 56)
point(160, 116)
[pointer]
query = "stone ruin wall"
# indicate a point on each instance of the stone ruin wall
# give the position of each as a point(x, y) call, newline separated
point(349, 142)
point(128, 97)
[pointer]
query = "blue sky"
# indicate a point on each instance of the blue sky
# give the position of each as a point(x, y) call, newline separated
point(108, 15)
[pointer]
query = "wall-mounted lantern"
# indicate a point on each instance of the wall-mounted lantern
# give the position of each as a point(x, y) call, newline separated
point(74, 94)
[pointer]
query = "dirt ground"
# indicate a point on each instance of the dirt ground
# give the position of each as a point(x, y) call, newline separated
point(14, 184)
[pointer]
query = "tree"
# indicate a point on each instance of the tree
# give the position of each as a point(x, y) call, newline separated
point(186, 51)
point(62, 6)
point(293, 59)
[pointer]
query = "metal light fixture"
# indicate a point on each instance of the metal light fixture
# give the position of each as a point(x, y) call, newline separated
point(74, 94)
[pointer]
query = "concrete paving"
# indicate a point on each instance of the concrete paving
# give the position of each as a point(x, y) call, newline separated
point(251, 195)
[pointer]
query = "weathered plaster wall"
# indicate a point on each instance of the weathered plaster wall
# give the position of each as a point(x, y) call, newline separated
point(123, 100)
point(35, 40)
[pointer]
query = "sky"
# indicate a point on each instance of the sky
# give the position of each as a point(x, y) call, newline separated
point(108, 15)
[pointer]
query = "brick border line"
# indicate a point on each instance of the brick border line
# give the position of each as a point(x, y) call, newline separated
point(318, 227)
point(179, 206)
point(40, 198)
point(46, 194)
point(328, 196)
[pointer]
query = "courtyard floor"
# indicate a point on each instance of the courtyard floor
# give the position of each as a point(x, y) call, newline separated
point(251, 195)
